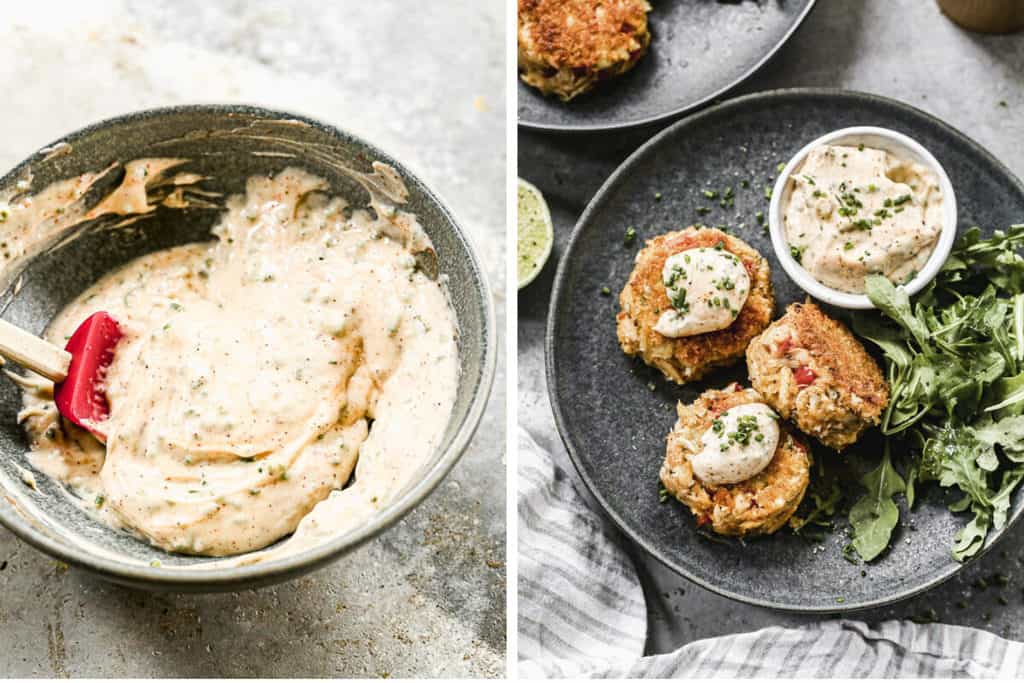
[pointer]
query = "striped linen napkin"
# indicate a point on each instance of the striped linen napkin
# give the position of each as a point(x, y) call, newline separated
point(582, 612)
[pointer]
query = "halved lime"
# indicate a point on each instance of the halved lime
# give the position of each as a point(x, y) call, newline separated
point(536, 233)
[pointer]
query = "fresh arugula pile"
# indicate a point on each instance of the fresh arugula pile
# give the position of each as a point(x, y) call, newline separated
point(954, 357)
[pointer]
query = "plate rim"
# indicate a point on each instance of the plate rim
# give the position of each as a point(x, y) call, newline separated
point(677, 111)
point(752, 99)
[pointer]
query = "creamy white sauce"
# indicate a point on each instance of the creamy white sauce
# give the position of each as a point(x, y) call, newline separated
point(30, 223)
point(857, 211)
point(257, 373)
point(707, 289)
point(740, 443)
point(27, 478)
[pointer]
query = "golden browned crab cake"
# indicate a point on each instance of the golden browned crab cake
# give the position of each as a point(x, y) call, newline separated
point(812, 370)
point(709, 482)
point(567, 46)
point(648, 299)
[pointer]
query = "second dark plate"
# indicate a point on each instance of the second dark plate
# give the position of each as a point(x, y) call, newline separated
point(614, 412)
point(700, 49)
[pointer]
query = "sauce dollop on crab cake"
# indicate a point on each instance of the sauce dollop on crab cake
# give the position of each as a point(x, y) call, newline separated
point(735, 464)
point(812, 370)
point(566, 47)
point(695, 299)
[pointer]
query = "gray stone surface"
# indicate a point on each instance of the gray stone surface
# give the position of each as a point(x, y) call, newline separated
point(424, 82)
point(901, 48)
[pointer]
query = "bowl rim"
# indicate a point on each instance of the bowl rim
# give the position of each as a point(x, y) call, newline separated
point(807, 282)
point(258, 574)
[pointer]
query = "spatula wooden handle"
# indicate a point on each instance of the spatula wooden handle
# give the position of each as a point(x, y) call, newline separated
point(33, 353)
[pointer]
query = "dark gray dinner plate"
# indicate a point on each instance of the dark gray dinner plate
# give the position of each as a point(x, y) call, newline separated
point(614, 412)
point(700, 49)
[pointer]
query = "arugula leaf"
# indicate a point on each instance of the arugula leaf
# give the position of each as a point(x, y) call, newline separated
point(965, 457)
point(875, 515)
point(970, 539)
point(954, 358)
point(1007, 395)
point(977, 262)
point(1001, 501)
point(951, 458)
point(894, 302)
point(886, 337)
point(911, 397)
point(1018, 327)
point(912, 475)
point(821, 508)
point(1007, 432)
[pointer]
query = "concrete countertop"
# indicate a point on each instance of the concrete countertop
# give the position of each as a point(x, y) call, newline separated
point(900, 48)
point(427, 84)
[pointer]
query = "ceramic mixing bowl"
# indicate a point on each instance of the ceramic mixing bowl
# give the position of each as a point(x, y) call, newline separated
point(225, 145)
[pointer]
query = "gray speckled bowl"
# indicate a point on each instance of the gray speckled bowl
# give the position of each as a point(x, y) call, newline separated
point(614, 412)
point(220, 142)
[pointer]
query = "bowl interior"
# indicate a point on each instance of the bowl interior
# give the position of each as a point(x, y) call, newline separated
point(226, 145)
point(895, 143)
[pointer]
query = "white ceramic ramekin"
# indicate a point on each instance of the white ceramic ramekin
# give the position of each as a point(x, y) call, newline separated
point(895, 143)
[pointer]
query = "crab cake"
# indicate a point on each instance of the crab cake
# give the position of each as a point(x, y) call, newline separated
point(693, 302)
point(735, 464)
point(812, 370)
point(567, 46)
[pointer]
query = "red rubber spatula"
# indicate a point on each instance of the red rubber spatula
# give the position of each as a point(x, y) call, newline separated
point(76, 370)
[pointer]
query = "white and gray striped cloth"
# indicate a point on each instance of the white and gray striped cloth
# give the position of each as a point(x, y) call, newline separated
point(582, 613)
